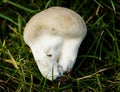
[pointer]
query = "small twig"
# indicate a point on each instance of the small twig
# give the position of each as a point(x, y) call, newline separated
point(113, 82)
point(89, 76)
point(13, 60)
point(13, 29)
point(89, 18)
point(98, 8)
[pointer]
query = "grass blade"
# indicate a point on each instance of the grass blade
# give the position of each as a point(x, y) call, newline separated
point(8, 18)
point(20, 6)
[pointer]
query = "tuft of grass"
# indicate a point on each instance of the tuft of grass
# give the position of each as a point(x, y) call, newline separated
point(97, 66)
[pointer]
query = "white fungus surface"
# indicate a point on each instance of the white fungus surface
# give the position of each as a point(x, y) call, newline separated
point(54, 36)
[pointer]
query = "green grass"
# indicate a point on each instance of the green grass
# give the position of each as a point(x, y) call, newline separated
point(97, 67)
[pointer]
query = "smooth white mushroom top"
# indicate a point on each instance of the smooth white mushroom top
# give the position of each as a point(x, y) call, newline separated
point(54, 36)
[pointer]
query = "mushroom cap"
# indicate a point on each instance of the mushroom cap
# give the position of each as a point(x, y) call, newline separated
point(54, 36)
point(57, 21)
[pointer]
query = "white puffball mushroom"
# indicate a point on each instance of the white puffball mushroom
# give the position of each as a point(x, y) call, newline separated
point(54, 36)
